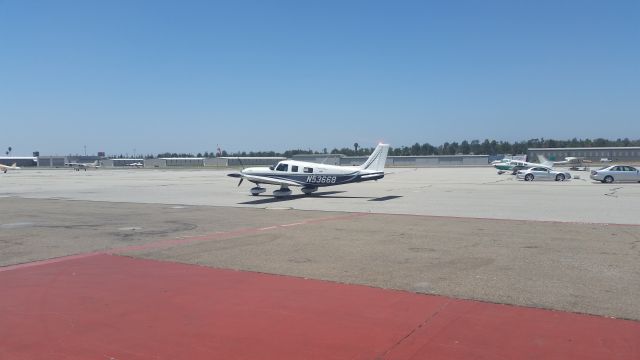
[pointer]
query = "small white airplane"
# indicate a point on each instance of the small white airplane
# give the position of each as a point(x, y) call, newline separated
point(5, 168)
point(136, 164)
point(77, 166)
point(514, 165)
point(310, 176)
point(575, 163)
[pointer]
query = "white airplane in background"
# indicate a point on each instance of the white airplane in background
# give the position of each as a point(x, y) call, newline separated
point(77, 166)
point(575, 162)
point(5, 168)
point(310, 176)
point(514, 165)
point(136, 164)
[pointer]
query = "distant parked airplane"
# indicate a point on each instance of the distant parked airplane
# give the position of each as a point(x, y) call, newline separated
point(310, 176)
point(136, 164)
point(77, 166)
point(5, 168)
point(514, 165)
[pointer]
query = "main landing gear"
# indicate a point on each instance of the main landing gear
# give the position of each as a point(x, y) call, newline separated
point(282, 192)
point(309, 189)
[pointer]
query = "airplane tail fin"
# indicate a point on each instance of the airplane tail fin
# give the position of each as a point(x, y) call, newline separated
point(544, 161)
point(377, 159)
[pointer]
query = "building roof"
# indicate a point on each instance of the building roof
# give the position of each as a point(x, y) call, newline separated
point(589, 148)
point(253, 157)
point(189, 158)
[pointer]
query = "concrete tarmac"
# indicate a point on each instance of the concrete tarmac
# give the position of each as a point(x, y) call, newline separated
point(464, 192)
point(462, 234)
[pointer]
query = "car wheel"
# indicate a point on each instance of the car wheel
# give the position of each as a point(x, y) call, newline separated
point(528, 177)
point(608, 179)
point(560, 177)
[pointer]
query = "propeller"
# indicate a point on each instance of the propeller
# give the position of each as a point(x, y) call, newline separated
point(236, 175)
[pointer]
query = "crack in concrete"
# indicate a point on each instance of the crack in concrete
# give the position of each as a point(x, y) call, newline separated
point(413, 331)
point(613, 192)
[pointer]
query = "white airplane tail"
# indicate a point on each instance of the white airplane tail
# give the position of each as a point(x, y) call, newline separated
point(543, 161)
point(377, 159)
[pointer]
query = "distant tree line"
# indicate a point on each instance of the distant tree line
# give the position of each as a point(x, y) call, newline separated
point(465, 147)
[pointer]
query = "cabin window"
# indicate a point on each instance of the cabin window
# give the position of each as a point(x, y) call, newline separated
point(282, 167)
point(308, 170)
point(294, 168)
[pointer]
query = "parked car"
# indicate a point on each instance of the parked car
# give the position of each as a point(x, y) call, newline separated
point(543, 173)
point(613, 173)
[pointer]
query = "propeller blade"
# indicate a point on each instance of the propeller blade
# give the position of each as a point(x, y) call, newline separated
point(240, 181)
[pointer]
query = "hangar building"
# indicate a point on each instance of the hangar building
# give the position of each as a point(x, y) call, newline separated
point(630, 154)
point(408, 161)
point(21, 161)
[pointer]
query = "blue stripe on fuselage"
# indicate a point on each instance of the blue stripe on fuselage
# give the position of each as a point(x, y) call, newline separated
point(320, 179)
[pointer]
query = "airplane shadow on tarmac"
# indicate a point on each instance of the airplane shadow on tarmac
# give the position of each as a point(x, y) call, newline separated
point(325, 194)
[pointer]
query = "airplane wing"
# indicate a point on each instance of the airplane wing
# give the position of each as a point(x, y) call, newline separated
point(266, 180)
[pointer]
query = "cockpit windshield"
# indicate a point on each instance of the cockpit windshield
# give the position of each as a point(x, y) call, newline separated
point(282, 167)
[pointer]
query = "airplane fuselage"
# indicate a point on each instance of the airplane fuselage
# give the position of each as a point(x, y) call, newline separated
point(301, 173)
point(310, 176)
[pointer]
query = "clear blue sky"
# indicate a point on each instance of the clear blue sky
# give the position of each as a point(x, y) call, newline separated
point(184, 76)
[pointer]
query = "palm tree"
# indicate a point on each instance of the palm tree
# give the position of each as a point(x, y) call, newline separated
point(356, 146)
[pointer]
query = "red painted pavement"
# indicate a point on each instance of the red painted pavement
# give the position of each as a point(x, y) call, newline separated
point(113, 307)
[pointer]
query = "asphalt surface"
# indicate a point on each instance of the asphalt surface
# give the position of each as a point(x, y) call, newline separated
point(579, 267)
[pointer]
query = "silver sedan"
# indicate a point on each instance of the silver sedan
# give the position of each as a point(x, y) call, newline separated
point(613, 173)
point(542, 173)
